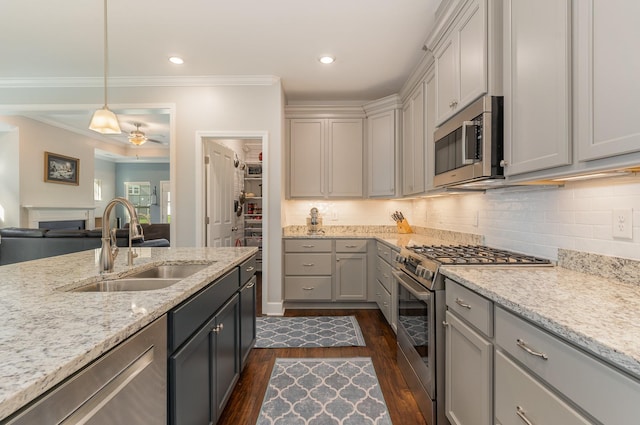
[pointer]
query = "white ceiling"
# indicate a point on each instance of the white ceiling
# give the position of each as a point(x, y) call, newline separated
point(377, 43)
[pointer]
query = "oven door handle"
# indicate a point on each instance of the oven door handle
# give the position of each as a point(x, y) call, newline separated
point(412, 286)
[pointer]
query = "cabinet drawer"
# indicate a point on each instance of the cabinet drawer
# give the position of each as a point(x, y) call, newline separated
point(383, 273)
point(475, 309)
point(351, 245)
point(383, 299)
point(190, 315)
point(300, 288)
point(384, 252)
point(308, 245)
point(247, 270)
point(518, 395)
point(307, 264)
point(602, 391)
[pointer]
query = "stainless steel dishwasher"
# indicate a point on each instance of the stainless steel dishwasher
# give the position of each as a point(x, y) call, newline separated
point(127, 385)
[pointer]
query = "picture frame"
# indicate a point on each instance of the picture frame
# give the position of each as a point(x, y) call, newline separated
point(61, 169)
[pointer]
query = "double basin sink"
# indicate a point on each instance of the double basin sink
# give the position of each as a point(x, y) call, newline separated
point(157, 277)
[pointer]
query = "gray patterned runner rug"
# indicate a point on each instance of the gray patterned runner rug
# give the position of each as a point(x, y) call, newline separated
point(324, 392)
point(314, 331)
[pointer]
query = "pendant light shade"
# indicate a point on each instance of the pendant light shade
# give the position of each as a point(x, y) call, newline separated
point(105, 121)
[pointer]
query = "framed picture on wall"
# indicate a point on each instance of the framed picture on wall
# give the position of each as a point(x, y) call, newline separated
point(61, 169)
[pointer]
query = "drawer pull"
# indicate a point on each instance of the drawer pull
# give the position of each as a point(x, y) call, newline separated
point(308, 288)
point(445, 324)
point(217, 329)
point(386, 276)
point(461, 303)
point(524, 346)
point(249, 269)
point(522, 415)
point(308, 264)
point(308, 246)
point(351, 246)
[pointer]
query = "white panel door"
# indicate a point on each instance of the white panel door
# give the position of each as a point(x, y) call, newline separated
point(219, 187)
point(472, 37)
point(446, 79)
point(307, 158)
point(382, 154)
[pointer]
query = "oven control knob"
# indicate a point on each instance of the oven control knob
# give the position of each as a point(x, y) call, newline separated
point(400, 259)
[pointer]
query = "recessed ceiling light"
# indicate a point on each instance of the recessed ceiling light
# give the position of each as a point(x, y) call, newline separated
point(176, 60)
point(327, 59)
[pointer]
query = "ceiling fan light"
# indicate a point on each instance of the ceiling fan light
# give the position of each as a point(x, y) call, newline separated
point(105, 121)
point(137, 138)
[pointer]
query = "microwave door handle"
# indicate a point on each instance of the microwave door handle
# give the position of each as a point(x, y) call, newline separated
point(465, 124)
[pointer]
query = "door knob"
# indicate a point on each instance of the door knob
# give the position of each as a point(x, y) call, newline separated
point(234, 229)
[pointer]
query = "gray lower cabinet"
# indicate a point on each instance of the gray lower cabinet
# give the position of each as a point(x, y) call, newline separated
point(351, 277)
point(127, 385)
point(384, 281)
point(204, 360)
point(468, 357)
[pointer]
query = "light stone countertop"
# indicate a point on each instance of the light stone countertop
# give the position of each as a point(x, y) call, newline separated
point(47, 334)
point(599, 315)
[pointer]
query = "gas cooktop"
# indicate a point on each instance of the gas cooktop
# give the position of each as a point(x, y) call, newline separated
point(475, 254)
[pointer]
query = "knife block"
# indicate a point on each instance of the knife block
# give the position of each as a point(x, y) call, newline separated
point(403, 226)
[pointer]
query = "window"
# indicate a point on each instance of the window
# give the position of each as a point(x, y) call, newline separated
point(97, 190)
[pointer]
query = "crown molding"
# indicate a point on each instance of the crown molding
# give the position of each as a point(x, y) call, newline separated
point(324, 111)
point(190, 81)
point(418, 75)
point(383, 105)
point(445, 16)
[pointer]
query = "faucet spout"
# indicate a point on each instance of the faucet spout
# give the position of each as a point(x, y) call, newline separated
point(109, 250)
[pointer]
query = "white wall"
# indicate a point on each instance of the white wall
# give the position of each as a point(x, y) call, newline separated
point(106, 172)
point(9, 176)
point(35, 139)
point(577, 216)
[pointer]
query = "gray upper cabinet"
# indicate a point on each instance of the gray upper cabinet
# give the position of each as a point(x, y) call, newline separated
point(413, 142)
point(606, 75)
point(326, 158)
point(461, 61)
point(381, 153)
point(537, 85)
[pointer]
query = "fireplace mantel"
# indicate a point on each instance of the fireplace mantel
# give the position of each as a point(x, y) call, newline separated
point(34, 214)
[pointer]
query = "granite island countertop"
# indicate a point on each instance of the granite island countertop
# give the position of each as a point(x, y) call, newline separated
point(47, 333)
point(599, 315)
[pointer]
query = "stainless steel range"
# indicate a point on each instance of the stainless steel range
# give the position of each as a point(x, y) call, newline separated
point(421, 306)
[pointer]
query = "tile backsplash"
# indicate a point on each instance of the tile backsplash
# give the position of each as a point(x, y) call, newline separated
point(536, 221)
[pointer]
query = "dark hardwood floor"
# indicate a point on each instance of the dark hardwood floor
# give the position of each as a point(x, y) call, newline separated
point(245, 402)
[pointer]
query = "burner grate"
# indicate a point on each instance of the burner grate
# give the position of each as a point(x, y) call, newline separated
point(476, 254)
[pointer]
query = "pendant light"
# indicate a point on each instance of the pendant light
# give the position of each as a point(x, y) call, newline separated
point(105, 121)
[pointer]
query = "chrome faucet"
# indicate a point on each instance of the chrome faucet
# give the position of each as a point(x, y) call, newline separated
point(109, 250)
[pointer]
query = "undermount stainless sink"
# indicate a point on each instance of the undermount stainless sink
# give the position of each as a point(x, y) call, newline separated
point(126, 284)
point(158, 277)
point(170, 271)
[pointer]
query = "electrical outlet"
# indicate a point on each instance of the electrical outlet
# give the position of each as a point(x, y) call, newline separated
point(623, 224)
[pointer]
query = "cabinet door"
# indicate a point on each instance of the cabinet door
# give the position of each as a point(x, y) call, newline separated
point(607, 78)
point(351, 277)
point(344, 154)
point(382, 154)
point(307, 156)
point(413, 143)
point(190, 371)
point(537, 84)
point(225, 348)
point(429, 128)
point(468, 375)
point(247, 320)
point(472, 39)
point(446, 79)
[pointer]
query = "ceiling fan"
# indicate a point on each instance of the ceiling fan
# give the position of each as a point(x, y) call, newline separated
point(138, 137)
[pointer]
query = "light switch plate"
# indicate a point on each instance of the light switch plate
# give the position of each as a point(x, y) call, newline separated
point(623, 224)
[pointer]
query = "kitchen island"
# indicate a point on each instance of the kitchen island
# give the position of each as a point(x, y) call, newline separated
point(48, 333)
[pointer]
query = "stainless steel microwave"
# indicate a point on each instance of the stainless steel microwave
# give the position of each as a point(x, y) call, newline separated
point(469, 147)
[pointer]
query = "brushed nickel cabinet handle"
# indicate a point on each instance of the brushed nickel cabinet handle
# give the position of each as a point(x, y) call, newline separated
point(307, 264)
point(217, 329)
point(249, 269)
point(522, 415)
point(308, 246)
point(308, 288)
point(461, 303)
point(520, 343)
point(351, 246)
